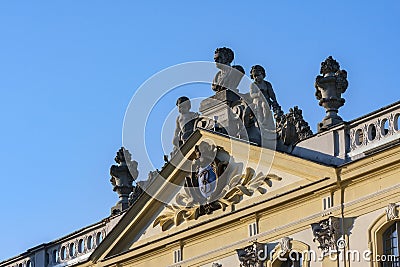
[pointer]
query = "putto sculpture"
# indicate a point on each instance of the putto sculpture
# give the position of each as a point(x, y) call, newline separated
point(329, 88)
point(248, 116)
point(122, 176)
point(261, 87)
point(227, 77)
point(184, 122)
point(251, 125)
point(262, 94)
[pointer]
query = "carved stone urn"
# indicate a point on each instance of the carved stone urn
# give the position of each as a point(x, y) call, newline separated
point(122, 176)
point(329, 87)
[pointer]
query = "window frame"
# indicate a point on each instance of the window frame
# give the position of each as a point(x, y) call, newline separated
point(296, 246)
point(385, 250)
point(375, 237)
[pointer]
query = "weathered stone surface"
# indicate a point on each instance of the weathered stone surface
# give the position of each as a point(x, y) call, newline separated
point(249, 256)
point(184, 122)
point(326, 233)
point(329, 87)
point(227, 77)
point(292, 127)
point(218, 108)
point(122, 176)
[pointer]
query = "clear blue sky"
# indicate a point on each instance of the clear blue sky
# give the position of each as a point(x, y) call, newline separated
point(68, 70)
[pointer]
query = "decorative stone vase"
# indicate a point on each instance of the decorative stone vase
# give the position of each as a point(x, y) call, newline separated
point(122, 177)
point(329, 87)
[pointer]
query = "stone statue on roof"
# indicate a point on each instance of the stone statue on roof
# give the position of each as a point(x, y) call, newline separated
point(184, 122)
point(330, 86)
point(123, 174)
point(262, 93)
point(258, 74)
point(228, 77)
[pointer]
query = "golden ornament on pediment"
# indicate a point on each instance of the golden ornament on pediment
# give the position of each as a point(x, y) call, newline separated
point(230, 189)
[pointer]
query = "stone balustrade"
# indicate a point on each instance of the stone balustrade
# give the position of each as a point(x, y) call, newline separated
point(374, 131)
point(66, 251)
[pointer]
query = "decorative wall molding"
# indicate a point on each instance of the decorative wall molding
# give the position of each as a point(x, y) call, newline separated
point(392, 212)
point(286, 244)
point(217, 185)
point(327, 233)
point(249, 256)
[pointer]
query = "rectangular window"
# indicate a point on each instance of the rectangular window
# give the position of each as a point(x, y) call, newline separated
point(253, 229)
point(177, 255)
point(327, 203)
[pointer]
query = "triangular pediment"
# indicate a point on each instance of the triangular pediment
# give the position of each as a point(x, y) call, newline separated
point(239, 177)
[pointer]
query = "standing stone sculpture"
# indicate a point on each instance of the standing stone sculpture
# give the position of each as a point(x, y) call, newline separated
point(329, 86)
point(249, 121)
point(225, 84)
point(262, 96)
point(227, 77)
point(261, 89)
point(122, 176)
point(184, 122)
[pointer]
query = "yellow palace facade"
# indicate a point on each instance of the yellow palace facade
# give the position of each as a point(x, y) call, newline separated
point(287, 197)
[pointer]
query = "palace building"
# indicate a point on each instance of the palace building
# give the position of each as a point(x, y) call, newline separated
point(250, 185)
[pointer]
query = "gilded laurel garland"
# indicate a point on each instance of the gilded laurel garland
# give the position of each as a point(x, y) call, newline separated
point(228, 189)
